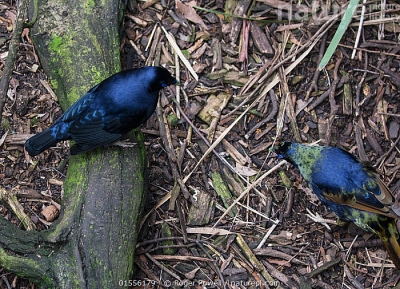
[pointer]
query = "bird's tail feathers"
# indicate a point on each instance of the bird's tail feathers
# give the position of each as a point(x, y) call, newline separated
point(40, 142)
point(392, 244)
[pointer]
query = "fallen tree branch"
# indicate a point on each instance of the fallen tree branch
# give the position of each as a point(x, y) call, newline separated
point(11, 200)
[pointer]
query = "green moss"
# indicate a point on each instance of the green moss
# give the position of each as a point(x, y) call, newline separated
point(5, 124)
point(34, 121)
point(285, 180)
point(55, 43)
point(26, 267)
point(96, 74)
point(167, 233)
point(68, 263)
point(75, 177)
point(172, 119)
point(54, 83)
point(75, 93)
point(74, 187)
point(186, 53)
point(137, 137)
point(223, 192)
point(90, 4)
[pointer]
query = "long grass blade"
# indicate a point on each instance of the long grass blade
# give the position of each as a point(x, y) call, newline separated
point(348, 15)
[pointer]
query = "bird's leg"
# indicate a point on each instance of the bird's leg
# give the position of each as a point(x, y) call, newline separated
point(317, 218)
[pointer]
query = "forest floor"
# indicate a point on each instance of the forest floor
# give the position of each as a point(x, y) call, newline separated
point(258, 83)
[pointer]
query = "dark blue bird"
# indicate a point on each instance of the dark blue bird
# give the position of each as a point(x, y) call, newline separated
point(350, 189)
point(106, 112)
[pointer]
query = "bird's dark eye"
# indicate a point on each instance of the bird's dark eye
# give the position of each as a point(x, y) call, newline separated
point(163, 85)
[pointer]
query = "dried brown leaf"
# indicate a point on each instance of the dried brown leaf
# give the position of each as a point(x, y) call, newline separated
point(190, 14)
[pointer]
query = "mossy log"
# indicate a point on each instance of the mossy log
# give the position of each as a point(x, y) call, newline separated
point(92, 243)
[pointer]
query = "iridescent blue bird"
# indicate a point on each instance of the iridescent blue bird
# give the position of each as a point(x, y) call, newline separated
point(106, 112)
point(349, 188)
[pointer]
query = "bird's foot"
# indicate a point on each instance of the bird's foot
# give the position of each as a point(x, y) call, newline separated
point(317, 218)
point(124, 143)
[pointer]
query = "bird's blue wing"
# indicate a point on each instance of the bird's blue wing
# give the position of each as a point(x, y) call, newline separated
point(343, 180)
point(357, 198)
point(79, 106)
point(124, 122)
point(88, 128)
point(95, 128)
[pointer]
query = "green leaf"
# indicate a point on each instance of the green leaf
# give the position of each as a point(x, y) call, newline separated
point(339, 33)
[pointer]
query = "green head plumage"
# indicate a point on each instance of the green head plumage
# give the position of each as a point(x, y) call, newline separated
point(302, 156)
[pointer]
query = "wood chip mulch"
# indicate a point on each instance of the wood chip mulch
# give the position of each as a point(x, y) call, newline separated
point(222, 210)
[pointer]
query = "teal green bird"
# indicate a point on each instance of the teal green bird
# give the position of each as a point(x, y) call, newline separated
point(349, 188)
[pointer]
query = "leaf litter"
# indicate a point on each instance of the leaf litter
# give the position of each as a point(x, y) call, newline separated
point(251, 68)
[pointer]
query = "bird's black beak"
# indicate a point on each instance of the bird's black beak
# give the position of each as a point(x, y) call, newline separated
point(275, 149)
point(177, 82)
